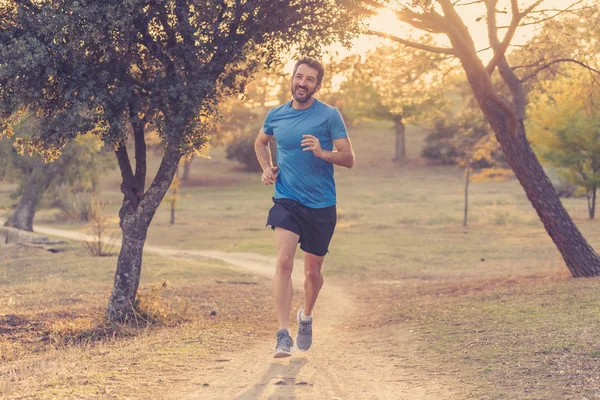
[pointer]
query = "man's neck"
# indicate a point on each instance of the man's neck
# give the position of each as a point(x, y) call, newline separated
point(302, 106)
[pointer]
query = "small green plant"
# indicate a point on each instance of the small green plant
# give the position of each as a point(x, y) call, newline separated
point(595, 354)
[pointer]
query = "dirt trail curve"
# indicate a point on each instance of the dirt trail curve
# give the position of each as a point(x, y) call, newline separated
point(341, 364)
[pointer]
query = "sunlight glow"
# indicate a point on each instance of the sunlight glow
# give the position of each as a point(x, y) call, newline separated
point(385, 21)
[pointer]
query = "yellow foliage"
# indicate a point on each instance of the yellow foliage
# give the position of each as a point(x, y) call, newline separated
point(492, 174)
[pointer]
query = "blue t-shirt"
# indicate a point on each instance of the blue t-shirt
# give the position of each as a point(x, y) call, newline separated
point(302, 176)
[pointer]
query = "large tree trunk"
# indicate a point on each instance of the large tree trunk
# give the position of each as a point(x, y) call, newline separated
point(136, 214)
point(39, 181)
point(135, 221)
point(121, 306)
point(400, 148)
point(507, 122)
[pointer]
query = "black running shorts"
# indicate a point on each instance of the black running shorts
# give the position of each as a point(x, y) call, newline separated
point(315, 226)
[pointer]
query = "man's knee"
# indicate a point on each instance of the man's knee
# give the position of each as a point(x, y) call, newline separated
point(313, 274)
point(285, 264)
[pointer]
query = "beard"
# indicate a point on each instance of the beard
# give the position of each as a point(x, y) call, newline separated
point(305, 96)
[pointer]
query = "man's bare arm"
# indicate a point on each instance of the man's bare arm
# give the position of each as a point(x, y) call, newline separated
point(263, 154)
point(343, 156)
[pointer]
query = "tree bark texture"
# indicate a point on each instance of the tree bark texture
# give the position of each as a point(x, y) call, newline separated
point(121, 306)
point(400, 148)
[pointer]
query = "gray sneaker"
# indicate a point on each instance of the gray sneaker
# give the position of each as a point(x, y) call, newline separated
point(284, 344)
point(304, 336)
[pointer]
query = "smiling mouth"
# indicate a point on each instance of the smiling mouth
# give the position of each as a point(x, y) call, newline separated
point(301, 91)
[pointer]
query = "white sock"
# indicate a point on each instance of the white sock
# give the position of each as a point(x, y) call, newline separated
point(305, 318)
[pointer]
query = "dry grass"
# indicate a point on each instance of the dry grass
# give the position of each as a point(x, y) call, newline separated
point(54, 342)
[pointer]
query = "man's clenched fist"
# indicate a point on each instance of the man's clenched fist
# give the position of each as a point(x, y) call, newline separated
point(270, 175)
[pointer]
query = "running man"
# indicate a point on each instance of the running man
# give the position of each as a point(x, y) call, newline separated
point(306, 131)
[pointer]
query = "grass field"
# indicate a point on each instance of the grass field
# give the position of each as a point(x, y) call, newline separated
point(492, 304)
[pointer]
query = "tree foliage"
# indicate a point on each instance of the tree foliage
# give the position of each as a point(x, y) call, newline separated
point(77, 171)
point(564, 126)
point(120, 68)
point(463, 138)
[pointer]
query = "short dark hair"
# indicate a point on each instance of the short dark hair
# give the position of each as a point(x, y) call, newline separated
point(311, 62)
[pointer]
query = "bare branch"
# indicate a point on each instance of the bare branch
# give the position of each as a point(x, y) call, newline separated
point(430, 22)
point(459, 4)
point(490, 6)
point(439, 50)
point(549, 64)
point(500, 49)
point(558, 12)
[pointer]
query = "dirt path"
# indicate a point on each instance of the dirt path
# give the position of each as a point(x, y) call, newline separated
point(341, 364)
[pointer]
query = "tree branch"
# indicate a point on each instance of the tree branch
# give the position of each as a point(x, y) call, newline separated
point(557, 11)
point(131, 198)
point(431, 22)
point(517, 16)
point(164, 21)
point(458, 33)
point(549, 64)
point(186, 29)
point(140, 149)
point(439, 50)
point(162, 180)
point(490, 6)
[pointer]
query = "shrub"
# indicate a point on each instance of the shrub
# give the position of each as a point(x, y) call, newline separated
point(99, 243)
point(73, 207)
point(439, 145)
point(564, 188)
point(452, 137)
point(241, 149)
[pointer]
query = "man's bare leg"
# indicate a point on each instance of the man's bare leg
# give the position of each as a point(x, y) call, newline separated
point(313, 281)
point(286, 243)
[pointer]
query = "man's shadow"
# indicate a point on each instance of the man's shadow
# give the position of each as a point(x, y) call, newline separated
point(282, 376)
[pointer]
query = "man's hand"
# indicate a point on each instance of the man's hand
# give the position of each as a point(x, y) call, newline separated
point(311, 143)
point(270, 175)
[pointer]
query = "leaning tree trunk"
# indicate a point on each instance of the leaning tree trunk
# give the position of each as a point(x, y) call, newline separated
point(506, 120)
point(39, 181)
point(136, 214)
point(400, 148)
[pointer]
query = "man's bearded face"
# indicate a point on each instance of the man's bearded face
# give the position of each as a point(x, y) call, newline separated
point(304, 83)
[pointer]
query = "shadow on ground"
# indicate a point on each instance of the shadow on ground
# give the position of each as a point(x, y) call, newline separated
point(283, 376)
